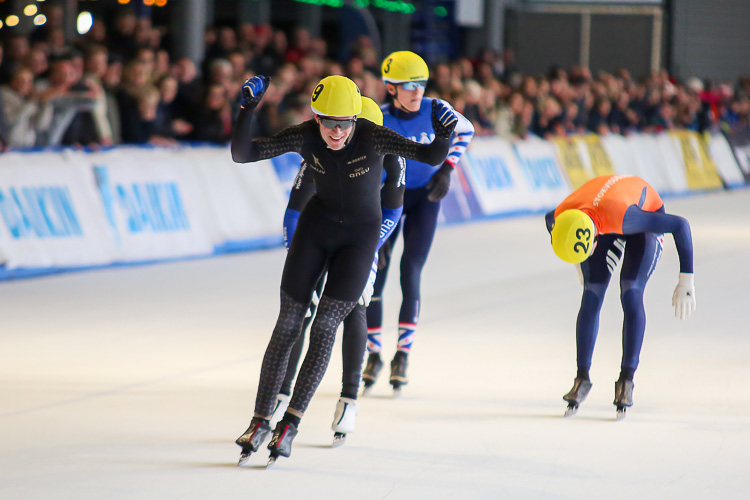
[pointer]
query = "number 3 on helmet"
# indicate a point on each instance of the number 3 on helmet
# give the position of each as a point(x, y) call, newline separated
point(573, 236)
point(404, 66)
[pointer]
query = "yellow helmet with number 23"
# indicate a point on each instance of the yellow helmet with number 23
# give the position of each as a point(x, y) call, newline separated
point(573, 236)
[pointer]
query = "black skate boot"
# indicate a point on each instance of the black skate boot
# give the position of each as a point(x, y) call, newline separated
point(398, 372)
point(253, 438)
point(281, 442)
point(623, 396)
point(371, 371)
point(577, 395)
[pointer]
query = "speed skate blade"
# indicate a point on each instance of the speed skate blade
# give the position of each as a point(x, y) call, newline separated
point(339, 438)
point(571, 410)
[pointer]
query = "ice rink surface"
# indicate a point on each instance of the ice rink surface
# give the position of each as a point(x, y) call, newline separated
point(134, 383)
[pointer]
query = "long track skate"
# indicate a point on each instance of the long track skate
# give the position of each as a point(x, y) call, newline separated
point(281, 442)
point(344, 419)
point(623, 397)
point(371, 372)
point(398, 373)
point(339, 439)
point(576, 395)
point(252, 439)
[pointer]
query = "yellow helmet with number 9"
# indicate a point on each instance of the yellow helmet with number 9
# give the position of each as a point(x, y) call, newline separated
point(336, 96)
point(573, 236)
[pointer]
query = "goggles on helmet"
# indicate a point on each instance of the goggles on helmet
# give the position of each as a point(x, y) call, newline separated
point(411, 86)
point(332, 123)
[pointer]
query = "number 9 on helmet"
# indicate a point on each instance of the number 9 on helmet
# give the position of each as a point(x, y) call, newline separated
point(336, 96)
point(573, 236)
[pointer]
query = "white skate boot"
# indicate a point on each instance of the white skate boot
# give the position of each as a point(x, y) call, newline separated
point(344, 420)
point(282, 403)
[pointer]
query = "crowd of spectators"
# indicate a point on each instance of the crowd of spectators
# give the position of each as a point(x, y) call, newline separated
point(119, 84)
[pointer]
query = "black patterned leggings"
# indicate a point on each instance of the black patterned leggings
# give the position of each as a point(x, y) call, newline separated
point(319, 243)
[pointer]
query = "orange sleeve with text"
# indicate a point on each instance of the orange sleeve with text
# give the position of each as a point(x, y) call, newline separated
point(606, 199)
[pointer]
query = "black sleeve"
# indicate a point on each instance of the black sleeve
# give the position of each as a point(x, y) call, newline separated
point(392, 192)
point(387, 141)
point(302, 190)
point(246, 149)
point(549, 219)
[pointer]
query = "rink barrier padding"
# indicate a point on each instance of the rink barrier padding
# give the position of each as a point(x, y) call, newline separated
point(739, 145)
point(65, 210)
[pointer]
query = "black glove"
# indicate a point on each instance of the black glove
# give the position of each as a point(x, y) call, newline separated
point(440, 182)
point(384, 254)
point(444, 119)
point(253, 90)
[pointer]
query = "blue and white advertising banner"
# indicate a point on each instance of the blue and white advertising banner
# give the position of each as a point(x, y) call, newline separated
point(620, 150)
point(495, 174)
point(739, 141)
point(461, 203)
point(543, 175)
point(725, 161)
point(671, 166)
point(50, 213)
point(69, 209)
point(640, 155)
point(267, 196)
point(152, 202)
point(229, 206)
point(286, 167)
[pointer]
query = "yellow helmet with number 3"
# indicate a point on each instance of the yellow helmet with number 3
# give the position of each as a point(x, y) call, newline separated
point(404, 66)
point(573, 236)
point(336, 96)
point(371, 111)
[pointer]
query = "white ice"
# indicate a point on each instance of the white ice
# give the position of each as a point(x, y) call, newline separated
point(134, 383)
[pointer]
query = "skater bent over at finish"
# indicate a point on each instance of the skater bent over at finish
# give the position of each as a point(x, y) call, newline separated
point(405, 75)
point(609, 219)
point(338, 230)
point(355, 325)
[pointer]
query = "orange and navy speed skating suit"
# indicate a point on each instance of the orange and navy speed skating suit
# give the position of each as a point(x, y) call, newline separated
point(630, 219)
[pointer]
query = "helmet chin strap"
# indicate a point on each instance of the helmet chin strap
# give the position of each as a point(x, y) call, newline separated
point(400, 106)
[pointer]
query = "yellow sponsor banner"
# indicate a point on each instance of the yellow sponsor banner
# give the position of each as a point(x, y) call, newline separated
point(700, 171)
point(601, 163)
point(570, 158)
point(709, 167)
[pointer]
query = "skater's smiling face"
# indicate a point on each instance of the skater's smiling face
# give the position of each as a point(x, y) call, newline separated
point(336, 130)
point(407, 96)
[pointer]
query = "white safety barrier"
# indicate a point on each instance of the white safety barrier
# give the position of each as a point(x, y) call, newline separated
point(51, 213)
point(70, 209)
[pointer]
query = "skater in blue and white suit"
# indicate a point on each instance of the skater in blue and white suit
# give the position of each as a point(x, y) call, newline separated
point(405, 74)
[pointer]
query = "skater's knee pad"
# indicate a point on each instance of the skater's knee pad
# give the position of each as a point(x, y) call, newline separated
point(627, 285)
point(631, 294)
point(593, 296)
